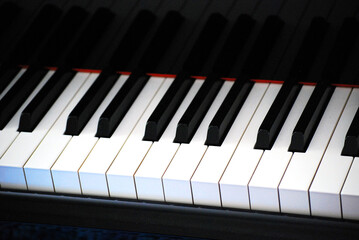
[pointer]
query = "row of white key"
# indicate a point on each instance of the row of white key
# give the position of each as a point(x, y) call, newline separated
point(233, 175)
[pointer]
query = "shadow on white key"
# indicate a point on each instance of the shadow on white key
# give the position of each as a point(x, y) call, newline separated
point(294, 187)
point(120, 176)
point(9, 132)
point(148, 177)
point(263, 187)
point(23, 144)
point(38, 167)
point(239, 170)
point(350, 193)
point(93, 171)
point(333, 169)
point(205, 181)
point(177, 179)
point(65, 170)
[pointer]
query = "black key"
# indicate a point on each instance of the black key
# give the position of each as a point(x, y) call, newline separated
point(189, 122)
point(16, 96)
point(88, 104)
point(235, 42)
point(162, 115)
point(120, 104)
point(206, 40)
point(271, 125)
point(42, 102)
point(234, 100)
point(62, 36)
point(351, 143)
point(310, 118)
point(313, 111)
point(7, 75)
point(132, 40)
point(226, 114)
point(123, 100)
point(90, 36)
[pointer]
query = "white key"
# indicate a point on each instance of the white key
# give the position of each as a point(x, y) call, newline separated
point(9, 132)
point(205, 181)
point(235, 179)
point(294, 187)
point(16, 155)
point(8, 87)
point(331, 174)
point(263, 187)
point(65, 170)
point(37, 169)
point(350, 193)
point(148, 177)
point(93, 171)
point(177, 179)
point(120, 176)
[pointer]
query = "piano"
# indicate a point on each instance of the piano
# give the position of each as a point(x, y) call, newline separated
point(209, 118)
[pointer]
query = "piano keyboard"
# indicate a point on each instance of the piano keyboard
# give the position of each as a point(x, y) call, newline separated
point(247, 106)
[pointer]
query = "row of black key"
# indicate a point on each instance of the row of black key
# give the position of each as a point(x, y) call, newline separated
point(213, 82)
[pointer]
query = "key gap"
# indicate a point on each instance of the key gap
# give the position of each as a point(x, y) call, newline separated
point(163, 80)
point(163, 187)
point(321, 158)
point(245, 129)
point(341, 189)
point(134, 178)
point(190, 180)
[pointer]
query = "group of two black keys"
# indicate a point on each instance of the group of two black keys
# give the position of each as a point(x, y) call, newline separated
point(192, 117)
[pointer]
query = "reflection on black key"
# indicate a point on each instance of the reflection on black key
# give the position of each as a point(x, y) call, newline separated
point(162, 39)
point(271, 125)
point(93, 32)
point(351, 143)
point(314, 110)
point(16, 96)
point(207, 40)
point(123, 100)
point(34, 35)
point(62, 36)
point(199, 106)
point(161, 116)
point(235, 41)
point(7, 75)
point(88, 104)
point(42, 102)
point(120, 104)
point(132, 40)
